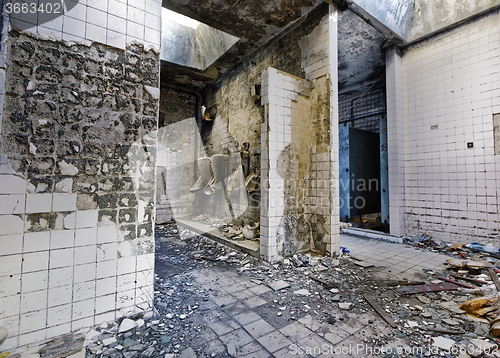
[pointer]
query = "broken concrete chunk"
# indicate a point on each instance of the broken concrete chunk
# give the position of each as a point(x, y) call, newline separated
point(442, 343)
point(153, 91)
point(67, 169)
point(427, 315)
point(126, 325)
point(302, 292)
point(451, 306)
point(279, 285)
point(63, 346)
point(467, 263)
point(483, 345)
point(345, 305)
point(450, 322)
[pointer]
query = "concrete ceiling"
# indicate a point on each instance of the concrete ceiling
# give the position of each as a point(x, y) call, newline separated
point(360, 56)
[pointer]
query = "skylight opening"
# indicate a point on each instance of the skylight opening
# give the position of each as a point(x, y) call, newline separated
point(179, 19)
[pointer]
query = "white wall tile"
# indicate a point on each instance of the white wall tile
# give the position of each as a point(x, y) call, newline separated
point(106, 268)
point(33, 301)
point(107, 234)
point(85, 237)
point(105, 303)
point(97, 17)
point(117, 24)
point(62, 295)
point(86, 218)
point(117, 8)
point(116, 39)
point(11, 224)
point(11, 244)
point(38, 203)
point(60, 277)
point(86, 272)
point(12, 204)
point(78, 10)
point(98, 4)
point(106, 286)
point(60, 239)
point(10, 285)
point(33, 321)
point(85, 255)
point(36, 241)
point(63, 202)
point(61, 258)
point(95, 33)
point(73, 26)
point(84, 291)
point(83, 309)
point(12, 184)
point(35, 261)
point(59, 315)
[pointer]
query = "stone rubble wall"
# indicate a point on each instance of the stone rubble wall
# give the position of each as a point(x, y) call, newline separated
point(77, 184)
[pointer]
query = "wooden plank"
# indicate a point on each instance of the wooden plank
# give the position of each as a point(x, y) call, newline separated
point(380, 311)
point(494, 277)
point(456, 282)
point(410, 290)
point(470, 279)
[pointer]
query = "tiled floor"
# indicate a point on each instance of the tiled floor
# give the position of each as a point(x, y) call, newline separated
point(396, 259)
point(239, 314)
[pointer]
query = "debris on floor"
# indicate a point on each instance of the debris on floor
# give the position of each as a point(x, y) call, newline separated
point(443, 313)
point(209, 301)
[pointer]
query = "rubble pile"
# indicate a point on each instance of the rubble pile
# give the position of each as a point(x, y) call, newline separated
point(412, 312)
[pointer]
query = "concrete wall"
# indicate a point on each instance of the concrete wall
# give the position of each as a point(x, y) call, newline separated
point(430, 16)
point(194, 47)
point(77, 179)
point(450, 91)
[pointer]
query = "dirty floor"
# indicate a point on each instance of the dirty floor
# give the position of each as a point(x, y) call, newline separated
point(212, 301)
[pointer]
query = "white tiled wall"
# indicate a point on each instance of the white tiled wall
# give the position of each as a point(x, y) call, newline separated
point(55, 282)
point(62, 279)
point(278, 91)
point(451, 89)
point(334, 131)
point(115, 23)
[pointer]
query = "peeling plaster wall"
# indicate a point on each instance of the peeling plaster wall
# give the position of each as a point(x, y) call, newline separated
point(430, 16)
point(77, 188)
point(450, 92)
point(239, 114)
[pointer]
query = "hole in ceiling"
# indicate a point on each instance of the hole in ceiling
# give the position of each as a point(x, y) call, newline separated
point(188, 42)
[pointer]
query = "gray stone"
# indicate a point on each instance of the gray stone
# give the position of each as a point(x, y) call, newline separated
point(188, 353)
point(231, 349)
point(279, 285)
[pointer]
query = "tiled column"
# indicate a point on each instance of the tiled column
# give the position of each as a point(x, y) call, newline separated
point(395, 143)
point(334, 131)
point(272, 194)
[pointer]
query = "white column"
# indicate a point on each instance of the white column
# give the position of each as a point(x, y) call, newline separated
point(334, 131)
point(395, 142)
